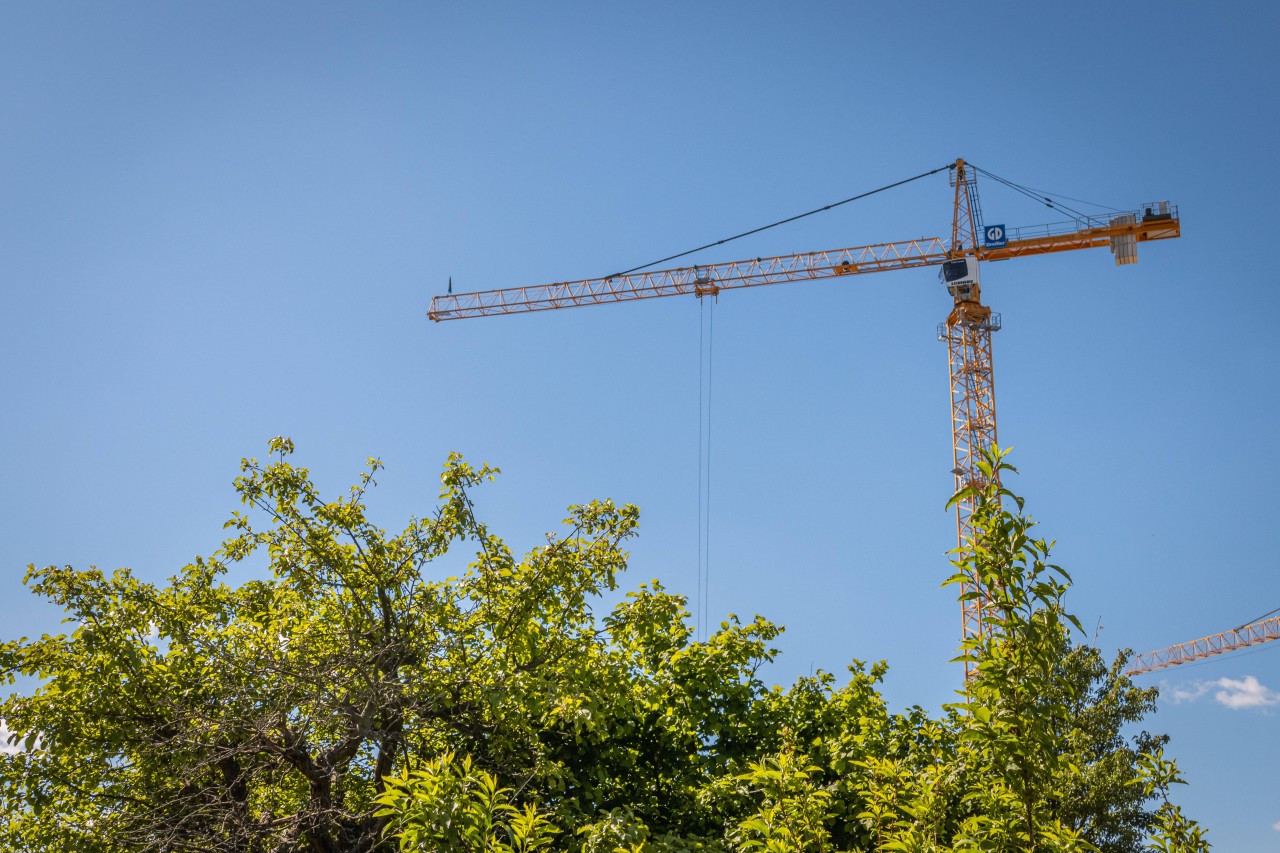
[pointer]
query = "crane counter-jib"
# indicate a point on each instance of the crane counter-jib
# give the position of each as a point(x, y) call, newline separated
point(1155, 222)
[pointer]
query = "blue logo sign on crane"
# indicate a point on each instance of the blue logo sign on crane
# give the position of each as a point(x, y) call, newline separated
point(994, 237)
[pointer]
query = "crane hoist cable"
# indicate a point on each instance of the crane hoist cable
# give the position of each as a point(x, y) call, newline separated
point(706, 351)
point(1039, 195)
point(1043, 194)
point(706, 327)
point(822, 209)
point(1259, 619)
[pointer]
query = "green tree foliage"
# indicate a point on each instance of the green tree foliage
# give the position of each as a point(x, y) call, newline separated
point(447, 804)
point(352, 699)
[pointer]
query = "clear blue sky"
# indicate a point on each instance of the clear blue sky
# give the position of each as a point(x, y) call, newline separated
point(223, 222)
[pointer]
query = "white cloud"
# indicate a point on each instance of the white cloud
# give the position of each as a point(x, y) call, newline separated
point(1276, 826)
point(1232, 693)
point(1188, 692)
point(1245, 693)
point(5, 746)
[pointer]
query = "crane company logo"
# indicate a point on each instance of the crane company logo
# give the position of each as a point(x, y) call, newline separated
point(994, 237)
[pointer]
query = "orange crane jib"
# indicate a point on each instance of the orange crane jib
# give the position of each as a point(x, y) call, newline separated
point(967, 329)
point(807, 266)
point(1262, 631)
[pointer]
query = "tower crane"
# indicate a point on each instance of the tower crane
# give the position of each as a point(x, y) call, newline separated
point(966, 330)
point(1257, 632)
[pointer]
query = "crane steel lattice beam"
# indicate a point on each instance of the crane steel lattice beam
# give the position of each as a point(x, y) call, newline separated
point(1206, 647)
point(967, 333)
point(973, 428)
point(697, 280)
point(712, 278)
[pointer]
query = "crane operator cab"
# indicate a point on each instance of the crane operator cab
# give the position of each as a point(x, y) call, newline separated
point(960, 275)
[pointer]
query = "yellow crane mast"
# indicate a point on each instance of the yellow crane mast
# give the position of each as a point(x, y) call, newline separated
point(966, 330)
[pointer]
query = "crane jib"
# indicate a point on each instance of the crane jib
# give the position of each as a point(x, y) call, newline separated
point(880, 257)
point(696, 280)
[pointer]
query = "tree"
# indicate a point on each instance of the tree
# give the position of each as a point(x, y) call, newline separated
point(348, 700)
point(268, 716)
point(1097, 792)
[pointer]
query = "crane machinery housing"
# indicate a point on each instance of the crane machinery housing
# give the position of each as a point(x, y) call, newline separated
point(966, 330)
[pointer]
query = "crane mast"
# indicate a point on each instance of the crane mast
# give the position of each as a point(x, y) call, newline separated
point(966, 330)
point(967, 334)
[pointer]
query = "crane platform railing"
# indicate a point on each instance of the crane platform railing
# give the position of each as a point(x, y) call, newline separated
point(1155, 212)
